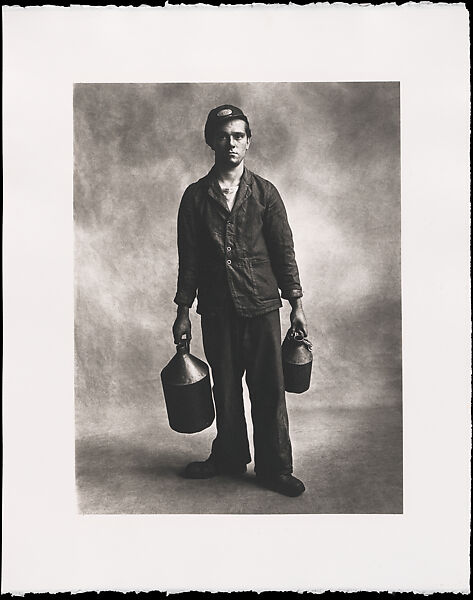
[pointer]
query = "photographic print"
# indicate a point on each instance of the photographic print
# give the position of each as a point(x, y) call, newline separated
point(212, 223)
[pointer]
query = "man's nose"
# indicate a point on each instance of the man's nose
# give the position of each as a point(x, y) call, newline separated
point(232, 141)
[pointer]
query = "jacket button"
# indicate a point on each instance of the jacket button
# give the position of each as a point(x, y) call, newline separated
point(229, 262)
point(229, 248)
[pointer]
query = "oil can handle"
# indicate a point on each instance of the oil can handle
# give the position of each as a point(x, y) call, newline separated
point(295, 334)
point(298, 336)
point(184, 344)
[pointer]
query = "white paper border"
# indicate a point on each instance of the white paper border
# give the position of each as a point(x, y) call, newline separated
point(47, 546)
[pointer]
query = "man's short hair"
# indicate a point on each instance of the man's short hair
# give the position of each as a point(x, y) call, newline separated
point(221, 114)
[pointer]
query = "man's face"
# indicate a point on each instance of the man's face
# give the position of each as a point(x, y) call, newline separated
point(231, 143)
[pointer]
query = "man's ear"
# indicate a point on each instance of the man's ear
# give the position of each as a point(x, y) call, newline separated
point(248, 143)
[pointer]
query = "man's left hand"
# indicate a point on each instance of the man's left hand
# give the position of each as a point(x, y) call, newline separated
point(298, 320)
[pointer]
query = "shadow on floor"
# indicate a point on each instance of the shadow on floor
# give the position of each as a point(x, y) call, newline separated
point(350, 461)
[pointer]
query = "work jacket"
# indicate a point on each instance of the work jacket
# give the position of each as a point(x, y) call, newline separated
point(246, 253)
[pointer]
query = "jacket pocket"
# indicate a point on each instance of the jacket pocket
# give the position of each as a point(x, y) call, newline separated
point(264, 280)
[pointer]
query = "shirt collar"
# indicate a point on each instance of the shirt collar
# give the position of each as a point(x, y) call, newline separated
point(245, 177)
point(217, 194)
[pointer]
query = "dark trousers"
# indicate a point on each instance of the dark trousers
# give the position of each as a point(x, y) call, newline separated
point(233, 345)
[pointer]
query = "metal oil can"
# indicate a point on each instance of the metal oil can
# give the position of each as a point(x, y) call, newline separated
point(297, 362)
point(187, 391)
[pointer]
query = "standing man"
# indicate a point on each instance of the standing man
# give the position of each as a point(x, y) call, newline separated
point(236, 252)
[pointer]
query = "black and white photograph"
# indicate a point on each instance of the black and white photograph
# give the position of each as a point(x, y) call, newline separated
point(214, 222)
point(236, 293)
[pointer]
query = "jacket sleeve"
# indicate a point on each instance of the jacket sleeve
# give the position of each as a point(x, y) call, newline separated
point(188, 250)
point(278, 236)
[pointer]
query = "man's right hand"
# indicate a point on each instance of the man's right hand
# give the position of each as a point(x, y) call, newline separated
point(182, 325)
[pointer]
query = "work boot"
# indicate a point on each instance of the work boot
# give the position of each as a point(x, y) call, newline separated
point(210, 468)
point(283, 484)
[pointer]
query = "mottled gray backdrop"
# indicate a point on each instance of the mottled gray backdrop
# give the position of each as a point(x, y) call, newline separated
point(332, 150)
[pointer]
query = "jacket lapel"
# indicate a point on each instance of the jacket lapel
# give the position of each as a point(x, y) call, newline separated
point(243, 191)
point(214, 190)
